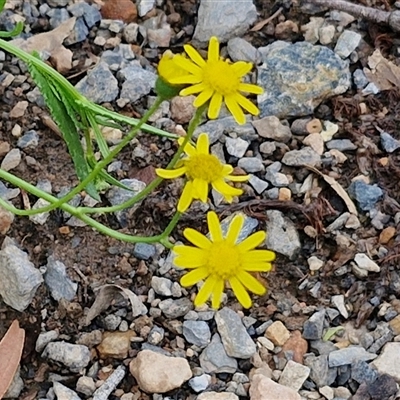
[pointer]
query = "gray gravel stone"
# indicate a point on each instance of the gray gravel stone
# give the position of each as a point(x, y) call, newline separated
point(144, 251)
point(11, 160)
point(258, 184)
point(275, 177)
point(249, 225)
point(175, 308)
point(236, 340)
point(63, 392)
point(78, 34)
point(236, 146)
point(118, 195)
point(347, 43)
point(223, 19)
point(361, 372)
point(144, 6)
point(58, 281)
point(90, 13)
point(365, 195)
point(44, 339)
point(282, 235)
point(298, 77)
point(57, 3)
point(19, 277)
point(272, 128)
point(389, 143)
point(58, 16)
point(29, 139)
point(111, 322)
point(156, 335)
point(214, 360)
point(130, 32)
point(251, 164)
point(341, 145)
point(359, 78)
point(161, 286)
point(241, 50)
point(313, 327)
point(298, 158)
point(99, 85)
point(320, 373)
point(349, 355)
point(197, 333)
point(73, 356)
point(139, 84)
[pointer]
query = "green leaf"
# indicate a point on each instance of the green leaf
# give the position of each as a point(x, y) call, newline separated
point(64, 115)
point(332, 332)
point(2, 4)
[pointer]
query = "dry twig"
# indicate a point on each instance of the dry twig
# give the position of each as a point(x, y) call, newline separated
point(380, 17)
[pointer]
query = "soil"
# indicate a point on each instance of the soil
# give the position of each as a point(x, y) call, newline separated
point(93, 259)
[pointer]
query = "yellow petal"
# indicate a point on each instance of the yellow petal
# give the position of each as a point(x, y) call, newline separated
point(189, 148)
point(185, 80)
point(217, 294)
point(203, 97)
point(242, 67)
point(205, 291)
point(256, 267)
point(186, 198)
point(251, 283)
point(238, 178)
point(254, 256)
point(203, 144)
point(189, 256)
point(250, 88)
point(194, 55)
point(252, 241)
point(235, 109)
point(200, 187)
point(227, 191)
point(234, 229)
point(213, 49)
point(188, 65)
point(197, 238)
point(193, 89)
point(240, 292)
point(226, 169)
point(247, 104)
point(214, 227)
point(170, 173)
point(192, 277)
point(215, 106)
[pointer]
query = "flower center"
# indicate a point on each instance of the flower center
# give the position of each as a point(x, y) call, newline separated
point(206, 167)
point(221, 77)
point(224, 260)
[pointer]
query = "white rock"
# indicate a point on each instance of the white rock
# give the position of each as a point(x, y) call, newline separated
point(64, 393)
point(236, 146)
point(258, 184)
point(217, 396)
point(326, 34)
point(263, 388)
point(11, 160)
point(327, 392)
point(329, 130)
point(315, 263)
point(388, 361)
point(338, 302)
point(365, 263)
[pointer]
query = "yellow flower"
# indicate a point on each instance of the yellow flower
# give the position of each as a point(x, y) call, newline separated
point(202, 169)
point(220, 259)
point(216, 80)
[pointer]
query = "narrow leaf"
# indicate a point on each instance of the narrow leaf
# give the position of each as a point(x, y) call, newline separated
point(11, 347)
point(65, 117)
point(15, 32)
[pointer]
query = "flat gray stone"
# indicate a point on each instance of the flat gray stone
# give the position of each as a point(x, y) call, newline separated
point(282, 235)
point(63, 392)
point(99, 85)
point(236, 340)
point(19, 277)
point(241, 50)
point(161, 286)
point(175, 308)
point(313, 327)
point(214, 360)
point(139, 84)
point(197, 333)
point(349, 355)
point(299, 158)
point(73, 356)
point(347, 43)
point(224, 19)
point(57, 280)
point(298, 77)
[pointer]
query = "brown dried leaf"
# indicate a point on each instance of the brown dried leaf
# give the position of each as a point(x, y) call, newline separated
point(382, 72)
point(106, 294)
point(48, 41)
point(11, 347)
point(338, 189)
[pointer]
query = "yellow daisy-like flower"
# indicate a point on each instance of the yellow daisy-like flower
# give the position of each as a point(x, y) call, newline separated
point(202, 169)
point(216, 80)
point(220, 259)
